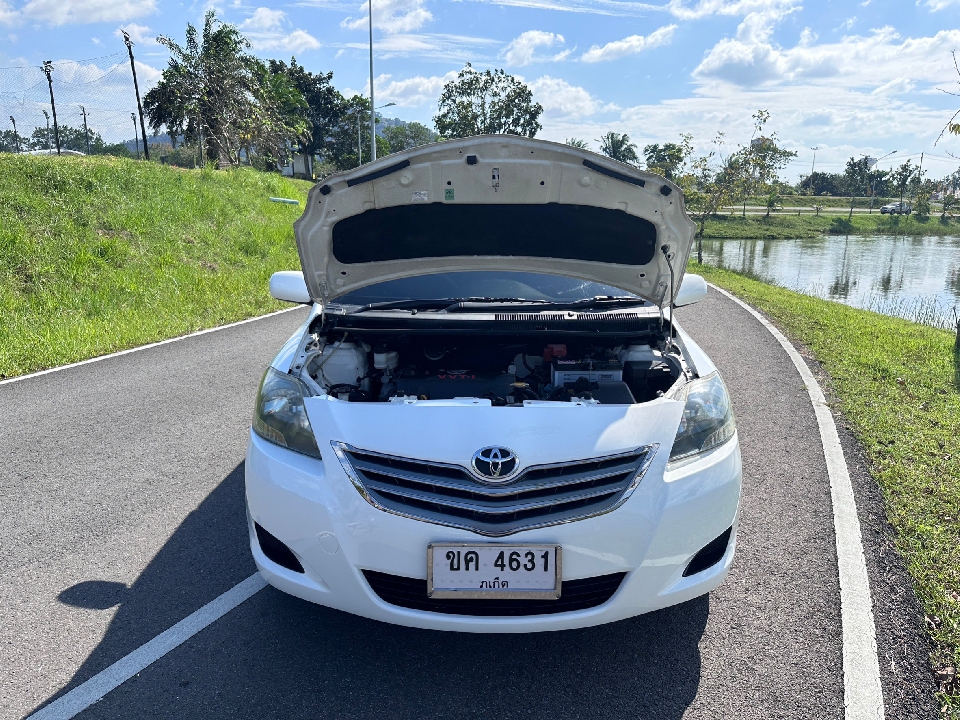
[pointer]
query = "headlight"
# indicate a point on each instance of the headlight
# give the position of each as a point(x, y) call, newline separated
point(707, 418)
point(280, 416)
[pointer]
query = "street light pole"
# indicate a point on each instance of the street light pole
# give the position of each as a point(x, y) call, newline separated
point(16, 136)
point(48, 69)
point(373, 113)
point(47, 116)
point(812, 166)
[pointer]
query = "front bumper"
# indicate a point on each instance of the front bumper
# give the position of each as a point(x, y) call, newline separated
point(311, 506)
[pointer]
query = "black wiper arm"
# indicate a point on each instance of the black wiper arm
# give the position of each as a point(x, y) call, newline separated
point(409, 304)
point(481, 303)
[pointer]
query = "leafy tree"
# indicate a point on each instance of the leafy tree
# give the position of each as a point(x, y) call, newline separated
point(710, 187)
point(668, 159)
point(277, 118)
point(577, 143)
point(755, 167)
point(820, 183)
point(486, 103)
point(407, 135)
point(215, 93)
point(11, 142)
point(902, 177)
point(856, 175)
point(324, 103)
point(947, 205)
point(617, 146)
point(71, 138)
point(349, 141)
point(773, 201)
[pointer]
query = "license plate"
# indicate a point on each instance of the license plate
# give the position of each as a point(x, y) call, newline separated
point(462, 570)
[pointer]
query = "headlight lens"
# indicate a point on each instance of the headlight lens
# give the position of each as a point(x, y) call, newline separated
point(280, 416)
point(707, 418)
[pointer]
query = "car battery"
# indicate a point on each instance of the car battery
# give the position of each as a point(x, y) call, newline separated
point(566, 371)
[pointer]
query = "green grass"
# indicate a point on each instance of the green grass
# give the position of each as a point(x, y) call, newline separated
point(99, 254)
point(898, 384)
point(781, 226)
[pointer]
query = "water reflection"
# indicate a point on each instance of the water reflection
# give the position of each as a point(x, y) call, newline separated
point(913, 277)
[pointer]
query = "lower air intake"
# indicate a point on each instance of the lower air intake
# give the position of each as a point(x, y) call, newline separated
point(575, 595)
point(276, 551)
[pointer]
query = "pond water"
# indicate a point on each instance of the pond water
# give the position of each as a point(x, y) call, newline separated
point(917, 278)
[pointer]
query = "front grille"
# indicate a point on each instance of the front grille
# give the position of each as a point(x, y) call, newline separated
point(574, 595)
point(450, 495)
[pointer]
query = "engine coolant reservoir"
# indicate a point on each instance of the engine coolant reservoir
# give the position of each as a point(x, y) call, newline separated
point(639, 353)
point(343, 364)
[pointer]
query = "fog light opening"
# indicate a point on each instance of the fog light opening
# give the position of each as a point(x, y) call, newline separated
point(709, 555)
point(276, 551)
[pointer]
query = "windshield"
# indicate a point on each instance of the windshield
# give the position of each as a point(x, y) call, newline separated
point(459, 285)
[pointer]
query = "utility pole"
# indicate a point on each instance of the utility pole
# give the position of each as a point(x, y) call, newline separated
point(86, 133)
point(133, 67)
point(16, 137)
point(373, 113)
point(133, 116)
point(48, 69)
point(47, 116)
point(812, 166)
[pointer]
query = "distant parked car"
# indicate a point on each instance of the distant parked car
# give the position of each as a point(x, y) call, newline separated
point(897, 208)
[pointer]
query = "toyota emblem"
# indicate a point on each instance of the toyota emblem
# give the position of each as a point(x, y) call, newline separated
point(495, 464)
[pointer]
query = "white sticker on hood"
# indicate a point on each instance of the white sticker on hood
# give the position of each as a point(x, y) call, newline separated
point(420, 196)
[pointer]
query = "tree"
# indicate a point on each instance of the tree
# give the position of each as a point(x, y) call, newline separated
point(902, 177)
point(856, 174)
point(71, 138)
point(277, 118)
point(773, 201)
point(668, 159)
point(710, 187)
point(821, 183)
point(486, 103)
point(577, 143)
point(754, 167)
point(617, 146)
point(349, 141)
point(404, 136)
point(212, 91)
point(324, 103)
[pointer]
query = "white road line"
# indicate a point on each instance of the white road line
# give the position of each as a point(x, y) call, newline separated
point(147, 347)
point(862, 691)
point(85, 695)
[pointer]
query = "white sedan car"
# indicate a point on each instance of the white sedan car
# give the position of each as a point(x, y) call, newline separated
point(489, 421)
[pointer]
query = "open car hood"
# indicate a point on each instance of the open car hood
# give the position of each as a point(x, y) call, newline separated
point(494, 202)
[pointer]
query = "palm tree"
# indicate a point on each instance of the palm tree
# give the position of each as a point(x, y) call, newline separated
point(619, 147)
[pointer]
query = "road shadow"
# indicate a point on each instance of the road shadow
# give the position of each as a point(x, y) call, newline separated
point(277, 656)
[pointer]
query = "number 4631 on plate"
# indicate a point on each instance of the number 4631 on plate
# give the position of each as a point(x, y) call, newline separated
point(492, 570)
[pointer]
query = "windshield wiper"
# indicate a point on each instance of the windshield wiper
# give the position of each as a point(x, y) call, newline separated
point(547, 305)
point(409, 304)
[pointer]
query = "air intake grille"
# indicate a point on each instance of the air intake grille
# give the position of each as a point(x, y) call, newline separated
point(451, 495)
point(575, 595)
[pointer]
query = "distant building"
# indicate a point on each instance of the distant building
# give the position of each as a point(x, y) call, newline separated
point(297, 165)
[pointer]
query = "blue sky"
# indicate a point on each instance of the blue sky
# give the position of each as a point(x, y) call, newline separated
point(848, 76)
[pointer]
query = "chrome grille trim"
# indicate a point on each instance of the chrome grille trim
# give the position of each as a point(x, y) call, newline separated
point(450, 495)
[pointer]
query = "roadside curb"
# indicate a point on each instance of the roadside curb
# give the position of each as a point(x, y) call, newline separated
point(862, 689)
point(119, 353)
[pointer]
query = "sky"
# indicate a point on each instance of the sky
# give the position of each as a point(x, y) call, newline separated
point(849, 77)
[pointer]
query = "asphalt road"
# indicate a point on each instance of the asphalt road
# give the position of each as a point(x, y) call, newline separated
point(121, 492)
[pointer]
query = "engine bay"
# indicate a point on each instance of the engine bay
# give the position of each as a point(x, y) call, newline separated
point(506, 370)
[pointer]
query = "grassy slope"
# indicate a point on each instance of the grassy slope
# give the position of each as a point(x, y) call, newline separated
point(99, 254)
point(898, 384)
point(792, 226)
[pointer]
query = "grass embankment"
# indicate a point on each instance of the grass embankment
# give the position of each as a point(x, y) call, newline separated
point(779, 226)
point(99, 254)
point(898, 384)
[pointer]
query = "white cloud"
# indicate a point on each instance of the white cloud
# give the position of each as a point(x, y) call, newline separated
point(8, 16)
point(753, 60)
point(411, 92)
point(629, 45)
point(936, 5)
point(436, 46)
point(140, 34)
point(522, 49)
point(79, 12)
point(392, 16)
point(267, 30)
point(264, 19)
point(847, 24)
point(561, 99)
